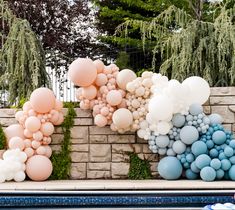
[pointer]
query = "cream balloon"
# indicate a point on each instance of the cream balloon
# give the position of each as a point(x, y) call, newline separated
point(114, 97)
point(100, 120)
point(14, 130)
point(89, 92)
point(125, 76)
point(122, 118)
point(32, 124)
point(99, 65)
point(16, 142)
point(42, 100)
point(47, 129)
point(101, 79)
point(82, 72)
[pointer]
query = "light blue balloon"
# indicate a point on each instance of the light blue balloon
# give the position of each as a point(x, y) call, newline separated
point(179, 147)
point(195, 109)
point(189, 134)
point(178, 120)
point(170, 152)
point(198, 148)
point(228, 151)
point(215, 163)
point(219, 137)
point(232, 160)
point(215, 119)
point(210, 144)
point(202, 161)
point(206, 120)
point(190, 158)
point(170, 168)
point(194, 168)
point(190, 174)
point(231, 173)
point(189, 117)
point(219, 174)
point(162, 151)
point(232, 143)
point(214, 153)
point(225, 164)
point(162, 141)
point(222, 156)
point(208, 174)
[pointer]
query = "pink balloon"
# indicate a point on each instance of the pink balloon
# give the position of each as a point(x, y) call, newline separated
point(48, 151)
point(101, 79)
point(99, 65)
point(38, 136)
point(122, 104)
point(29, 152)
point(31, 112)
point(27, 106)
point(124, 77)
point(18, 115)
point(46, 140)
point(114, 97)
point(122, 118)
point(41, 150)
point(33, 124)
point(54, 116)
point(104, 111)
point(100, 120)
point(36, 144)
point(47, 129)
point(27, 133)
point(58, 105)
point(38, 168)
point(60, 120)
point(14, 130)
point(82, 72)
point(16, 142)
point(89, 92)
point(27, 143)
point(42, 100)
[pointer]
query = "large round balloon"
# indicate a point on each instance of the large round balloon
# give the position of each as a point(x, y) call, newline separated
point(38, 168)
point(122, 118)
point(114, 97)
point(124, 77)
point(14, 130)
point(199, 90)
point(42, 100)
point(89, 92)
point(32, 124)
point(82, 72)
point(170, 168)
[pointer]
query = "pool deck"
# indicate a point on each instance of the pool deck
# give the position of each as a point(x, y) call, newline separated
point(102, 185)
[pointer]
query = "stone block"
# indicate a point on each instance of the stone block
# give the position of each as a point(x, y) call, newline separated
point(221, 91)
point(207, 110)
point(57, 138)
point(120, 157)
point(78, 157)
point(146, 148)
point(79, 112)
point(99, 166)
point(80, 148)
point(98, 174)
point(225, 112)
point(153, 166)
point(7, 113)
point(123, 148)
point(219, 100)
point(56, 148)
point(94, 130)
point(83, 121)
point(100, 153)
point(79, 141)
point(8, 121)
point(120, 170)
point(80, 132)
point(121, 138)
point(78, 171)
point(228, 127)
point(152, 157)
point(58, 130)
point(140, 140)
point(98, 139)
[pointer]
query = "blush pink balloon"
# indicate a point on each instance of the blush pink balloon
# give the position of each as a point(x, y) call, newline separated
point(48, 151)
point(46, 140)
point(41, 150)
point(14, 130)
point(100, 120)
point(27, 133)
point(18, 115)
point(16, 143)
point(122, 118)
point(36, 144)
point(122, 104)
point(47, 129)
point(89, 92)
point(99, 65)
point(104, 111)
point(27, 106)
point(58, 105)
point(82, 72)
point(32, 124)
point(31, 112)
point(101, 79)
point(38, 136)
point(114, 97)
point(60, 120)
point(42, 100)
point(54, 116)
point(38, 168)
point(27, 143)
point(124, 77)
point(29, 152)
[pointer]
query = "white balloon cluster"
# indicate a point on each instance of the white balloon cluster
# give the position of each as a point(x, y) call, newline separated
point(12, 166)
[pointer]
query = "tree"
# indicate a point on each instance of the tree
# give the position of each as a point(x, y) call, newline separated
point(193, 45)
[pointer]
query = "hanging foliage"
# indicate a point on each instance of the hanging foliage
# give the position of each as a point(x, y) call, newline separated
point(22, 58)
point(190, 46)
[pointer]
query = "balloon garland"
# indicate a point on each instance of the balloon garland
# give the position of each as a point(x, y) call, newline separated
point(166, 113)
point(28, 142)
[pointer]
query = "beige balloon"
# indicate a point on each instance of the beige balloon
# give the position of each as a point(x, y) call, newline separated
point(124, 77)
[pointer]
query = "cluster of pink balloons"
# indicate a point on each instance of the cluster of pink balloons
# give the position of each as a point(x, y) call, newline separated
point(102, 88)
point(32, 134)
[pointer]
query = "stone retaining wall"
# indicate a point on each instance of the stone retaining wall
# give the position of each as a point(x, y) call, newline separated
point(99, 153)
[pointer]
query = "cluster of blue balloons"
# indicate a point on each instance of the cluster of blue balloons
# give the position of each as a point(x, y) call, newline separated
point(201, 148)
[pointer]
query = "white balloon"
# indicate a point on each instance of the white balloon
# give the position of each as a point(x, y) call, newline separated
point(199, 90)
point(19, 176)
point(141, 133)
point(163, 127)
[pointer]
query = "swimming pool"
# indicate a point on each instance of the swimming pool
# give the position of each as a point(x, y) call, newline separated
point(118, 199)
